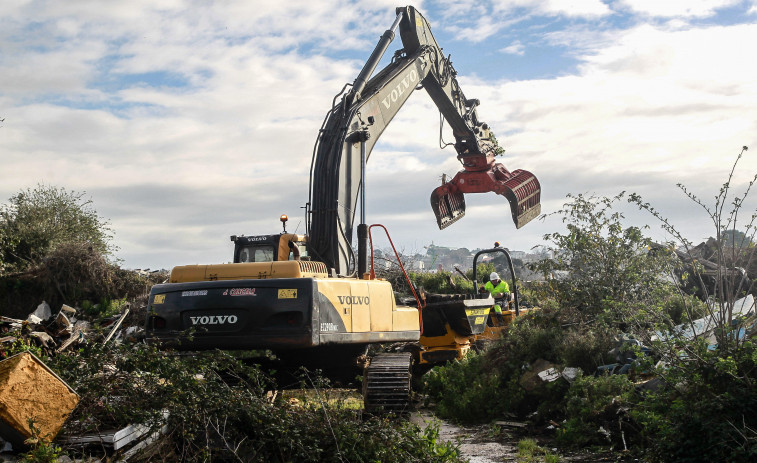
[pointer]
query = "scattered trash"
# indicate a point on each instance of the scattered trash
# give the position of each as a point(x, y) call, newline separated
point(128, 440)
point(43, 311)
point(549, 375)
point(116, 325)
point(540, 371)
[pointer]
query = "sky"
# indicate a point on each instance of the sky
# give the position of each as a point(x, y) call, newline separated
point(187, 121)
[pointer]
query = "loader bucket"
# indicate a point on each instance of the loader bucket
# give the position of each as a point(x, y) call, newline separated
point(523, 192)
point(448, 206)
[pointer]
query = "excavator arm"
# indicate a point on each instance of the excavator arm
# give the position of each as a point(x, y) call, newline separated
point(354, 124)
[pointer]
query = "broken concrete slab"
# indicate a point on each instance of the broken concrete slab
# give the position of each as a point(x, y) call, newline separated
point(549, 375)
point(541, 371)
point(128, 440)
point(12, 322)
point(31, 390)
point(571, 373)
point(43, 311)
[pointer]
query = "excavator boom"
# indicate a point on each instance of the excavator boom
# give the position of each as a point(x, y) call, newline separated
point(359, 117)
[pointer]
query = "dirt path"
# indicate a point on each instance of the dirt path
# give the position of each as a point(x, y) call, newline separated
point(476, 443)
point(480, 444)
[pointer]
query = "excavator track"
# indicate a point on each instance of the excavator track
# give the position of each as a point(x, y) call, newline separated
point(386, 383)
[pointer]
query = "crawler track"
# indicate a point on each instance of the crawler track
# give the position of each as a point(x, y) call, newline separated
point(386, 383)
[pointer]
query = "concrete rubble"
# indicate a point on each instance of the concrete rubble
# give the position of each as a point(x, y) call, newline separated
point(542, 371)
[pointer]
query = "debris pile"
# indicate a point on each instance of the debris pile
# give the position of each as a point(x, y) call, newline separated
point(55, 334)
point(34, 401)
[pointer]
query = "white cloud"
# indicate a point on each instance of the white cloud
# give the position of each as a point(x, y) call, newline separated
point(678, 8)
point(516, 48)
point(650, 103)
point(577, 8)
point(646, 108)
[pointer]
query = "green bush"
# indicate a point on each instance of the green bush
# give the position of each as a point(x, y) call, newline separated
point(600, 266)
point(594, 403)
point(219, 410)
point(706, 409)
point(36, 221)
point(586, 347)
point(466, 390)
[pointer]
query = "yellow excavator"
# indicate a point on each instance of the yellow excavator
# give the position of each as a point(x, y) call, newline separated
point(309, 298)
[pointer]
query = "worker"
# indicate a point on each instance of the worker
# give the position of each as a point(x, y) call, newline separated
point(500, 291)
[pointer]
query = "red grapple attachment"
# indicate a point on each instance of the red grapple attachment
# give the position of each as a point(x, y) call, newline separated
point(520, 187)
point(448, 205)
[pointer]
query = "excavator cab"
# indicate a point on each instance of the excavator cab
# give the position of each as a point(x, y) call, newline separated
point(520, 187)
point(270, 248)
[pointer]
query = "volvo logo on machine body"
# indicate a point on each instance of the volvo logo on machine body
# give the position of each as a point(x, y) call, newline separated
point(355, 300)
point(214, 320)
point(409, 80)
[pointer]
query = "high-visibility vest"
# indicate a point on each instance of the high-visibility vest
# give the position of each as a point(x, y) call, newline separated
point(502, 287)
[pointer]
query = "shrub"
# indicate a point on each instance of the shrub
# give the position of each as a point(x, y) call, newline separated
point(76, 274)
point(218, 410)
point(707, 409)
point(466, 390)
point(596, 411)
point(600, 266)
point(36, 221)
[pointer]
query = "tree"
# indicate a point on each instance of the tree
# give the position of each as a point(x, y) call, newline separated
point(36, 221)
point(707, 409)
point(600, 266)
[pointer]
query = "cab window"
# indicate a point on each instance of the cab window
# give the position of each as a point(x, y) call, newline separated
point(303, 251)
point(256, 254)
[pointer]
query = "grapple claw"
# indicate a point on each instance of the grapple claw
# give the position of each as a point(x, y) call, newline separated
point(448, 206)
point(520, 187)
point(523, 191)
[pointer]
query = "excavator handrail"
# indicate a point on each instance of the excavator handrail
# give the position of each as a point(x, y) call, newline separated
point(373, 273)
point(512, 273)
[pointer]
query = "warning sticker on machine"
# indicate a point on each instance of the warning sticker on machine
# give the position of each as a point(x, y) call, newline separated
point(473, 312)
point(159, 299)
point(287, 294)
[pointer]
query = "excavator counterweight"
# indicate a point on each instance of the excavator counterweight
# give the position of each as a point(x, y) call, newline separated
point(520, 187)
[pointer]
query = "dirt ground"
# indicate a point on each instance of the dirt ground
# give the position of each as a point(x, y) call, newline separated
point(481, 444)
